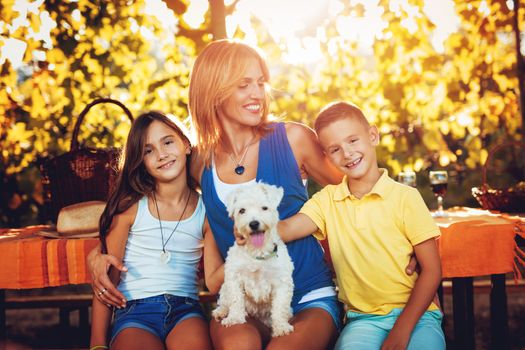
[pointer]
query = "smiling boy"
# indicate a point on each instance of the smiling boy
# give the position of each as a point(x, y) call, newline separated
point(373, 225)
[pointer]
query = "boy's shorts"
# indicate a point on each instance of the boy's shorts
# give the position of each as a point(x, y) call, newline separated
point(157, 315)
point(367, 332)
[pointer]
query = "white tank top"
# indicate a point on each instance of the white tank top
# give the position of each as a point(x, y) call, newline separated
point(147, 276)
point(224, 189)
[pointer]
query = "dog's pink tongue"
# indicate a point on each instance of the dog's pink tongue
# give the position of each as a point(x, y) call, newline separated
point(257, 239)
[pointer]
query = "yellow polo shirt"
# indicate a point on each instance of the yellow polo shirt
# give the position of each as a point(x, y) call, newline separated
point(371, 240)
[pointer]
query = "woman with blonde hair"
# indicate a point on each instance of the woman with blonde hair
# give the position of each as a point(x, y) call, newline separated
point(238, 144)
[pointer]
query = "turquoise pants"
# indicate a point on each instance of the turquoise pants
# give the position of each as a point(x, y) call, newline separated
point(368, 332)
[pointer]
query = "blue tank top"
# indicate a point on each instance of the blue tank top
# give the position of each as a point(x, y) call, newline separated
point(276, 166)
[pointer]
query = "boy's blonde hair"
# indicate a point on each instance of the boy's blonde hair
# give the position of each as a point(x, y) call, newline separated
point(336, 111)
point(216, 74)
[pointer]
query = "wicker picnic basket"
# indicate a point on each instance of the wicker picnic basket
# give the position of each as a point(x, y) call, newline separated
point(506, 200)
point(82, 174)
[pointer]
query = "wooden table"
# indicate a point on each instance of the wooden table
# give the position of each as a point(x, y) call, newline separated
point(31, 261)
point(475, 243)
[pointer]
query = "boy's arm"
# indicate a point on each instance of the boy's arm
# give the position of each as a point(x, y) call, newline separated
point(297, 226)
point(422, 294)
point(116, 243)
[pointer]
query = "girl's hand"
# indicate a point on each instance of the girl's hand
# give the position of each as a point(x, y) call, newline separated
point(104, 289)
point(396, 340)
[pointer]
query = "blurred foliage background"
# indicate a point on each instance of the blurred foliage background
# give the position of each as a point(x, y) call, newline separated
point(435, 108)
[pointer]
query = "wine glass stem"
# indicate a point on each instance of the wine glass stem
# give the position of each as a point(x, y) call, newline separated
point(440, 204)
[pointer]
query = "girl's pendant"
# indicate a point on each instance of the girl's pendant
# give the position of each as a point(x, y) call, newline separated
point(239, 170)
point(165, 257)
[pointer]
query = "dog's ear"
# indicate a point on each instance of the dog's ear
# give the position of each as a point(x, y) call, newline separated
point(274, 193)
point(231, 199)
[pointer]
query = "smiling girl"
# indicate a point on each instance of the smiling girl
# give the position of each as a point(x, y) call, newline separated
point(155, 223)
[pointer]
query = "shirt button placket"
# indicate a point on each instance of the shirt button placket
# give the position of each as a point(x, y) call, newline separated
point(359, 215)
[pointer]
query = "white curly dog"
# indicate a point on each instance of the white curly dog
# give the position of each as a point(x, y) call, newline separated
point(257, 275)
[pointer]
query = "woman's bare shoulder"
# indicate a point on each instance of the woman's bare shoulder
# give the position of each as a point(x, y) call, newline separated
point(298, 129)
point(309, 155)
point(300, 136)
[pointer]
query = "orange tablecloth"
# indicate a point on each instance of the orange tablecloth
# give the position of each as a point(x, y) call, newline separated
point(478, 242)
point(30, 261)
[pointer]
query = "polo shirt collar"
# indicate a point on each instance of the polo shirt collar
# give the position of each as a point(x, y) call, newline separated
point(382, 187)
point(341, 190)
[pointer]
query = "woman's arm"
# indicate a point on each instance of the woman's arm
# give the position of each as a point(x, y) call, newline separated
point(422, 294)
point(310, 156)
point(116, 243)
point(99, 264)
point(213, 262)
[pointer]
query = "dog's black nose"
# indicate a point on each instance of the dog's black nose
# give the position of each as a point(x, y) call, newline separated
point(254, 225)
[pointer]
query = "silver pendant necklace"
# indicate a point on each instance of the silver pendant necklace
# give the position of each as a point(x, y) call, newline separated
point(165, 256)
point(239, 168)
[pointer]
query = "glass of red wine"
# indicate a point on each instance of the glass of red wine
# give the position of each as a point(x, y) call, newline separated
point(439, 183)
point(407, 178)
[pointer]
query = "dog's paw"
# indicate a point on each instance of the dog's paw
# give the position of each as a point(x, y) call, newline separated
point(231, 321)
point(282, 330)
point(219, 313)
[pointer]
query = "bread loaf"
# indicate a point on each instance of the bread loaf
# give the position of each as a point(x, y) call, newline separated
point(80, 218)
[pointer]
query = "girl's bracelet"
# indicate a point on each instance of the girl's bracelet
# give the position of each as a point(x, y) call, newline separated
point(96, 347)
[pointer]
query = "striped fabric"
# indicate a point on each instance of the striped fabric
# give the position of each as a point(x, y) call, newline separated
point(29, 261)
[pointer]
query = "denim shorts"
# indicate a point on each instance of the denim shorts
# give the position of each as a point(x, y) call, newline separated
point(157, 315)
point(329, 304)
point(368, 332)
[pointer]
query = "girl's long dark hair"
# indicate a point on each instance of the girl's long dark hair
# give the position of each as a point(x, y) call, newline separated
point(133, 181)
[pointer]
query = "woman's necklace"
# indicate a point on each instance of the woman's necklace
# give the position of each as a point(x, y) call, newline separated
point(239, 168)
point(165, 256)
